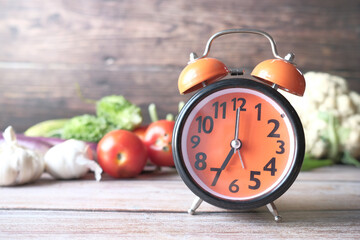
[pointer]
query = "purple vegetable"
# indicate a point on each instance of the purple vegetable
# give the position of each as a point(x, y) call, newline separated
point(30, 143)
point(41, 144)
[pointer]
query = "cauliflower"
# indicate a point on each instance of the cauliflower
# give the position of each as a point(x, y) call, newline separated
point(330, 114)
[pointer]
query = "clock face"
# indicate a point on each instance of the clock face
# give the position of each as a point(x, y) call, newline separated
point(239, 143)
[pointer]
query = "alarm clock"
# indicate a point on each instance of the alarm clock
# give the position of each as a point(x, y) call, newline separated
point(238, 143)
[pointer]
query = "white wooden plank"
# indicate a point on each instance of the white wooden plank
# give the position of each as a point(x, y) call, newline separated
point(147, 225)
point(163, 195)
point(332, 173)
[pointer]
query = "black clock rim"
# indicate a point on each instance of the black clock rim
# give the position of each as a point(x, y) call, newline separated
point(283, 186)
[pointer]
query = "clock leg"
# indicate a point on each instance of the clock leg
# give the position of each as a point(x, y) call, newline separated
point(273, 210)
point(196, 203)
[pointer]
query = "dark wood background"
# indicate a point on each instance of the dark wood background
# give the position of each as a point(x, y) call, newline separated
point(137, 48)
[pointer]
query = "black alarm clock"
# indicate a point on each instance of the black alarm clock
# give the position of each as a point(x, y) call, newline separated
point(238, 143)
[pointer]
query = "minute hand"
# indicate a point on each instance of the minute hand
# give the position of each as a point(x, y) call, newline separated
point(236, 143)
point(236, 137)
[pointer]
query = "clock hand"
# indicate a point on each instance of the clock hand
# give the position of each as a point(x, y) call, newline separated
point(236, 137)
point(223, 166)
point(236, 143)
point(227, 159)
point(242, 163)
point(235, 146)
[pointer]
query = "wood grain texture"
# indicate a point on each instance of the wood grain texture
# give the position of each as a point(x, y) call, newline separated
point(322, 204)
point(121, 225)
point(164, 196)
point(138, 48)
point(165, 192)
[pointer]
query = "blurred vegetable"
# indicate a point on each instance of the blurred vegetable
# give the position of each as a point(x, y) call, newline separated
point(71, 159)
point(18, 165)
point(86, 128)
point(330, 114)
point(140, 132)
point(153, 112)
point(49, 128)
point(121, 154)
point(33, 143)
point(158, 139)
point(311, 163)
point(42, 144)
point(113, 112)
point(119, 112)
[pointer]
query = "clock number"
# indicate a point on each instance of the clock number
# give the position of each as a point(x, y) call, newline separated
point(195, 140)
point(216, 178)
point(258, 107)
point(243, 102)
point(206, 125)
point(254, 179)
point(270, 166)
point(233, 187)
point(223, 106)
point(276, 127)
point(282, 149)
point(200, 163)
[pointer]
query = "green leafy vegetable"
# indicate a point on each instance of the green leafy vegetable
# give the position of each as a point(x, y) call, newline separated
point(311, 163)
point(349, 160)
point(119, 112)
point(331, 135)
point(113, 112)
point(86, 127)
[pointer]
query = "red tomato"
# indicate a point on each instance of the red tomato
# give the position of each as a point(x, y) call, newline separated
point(158, 138)
point(140, 132)
point(121, 154)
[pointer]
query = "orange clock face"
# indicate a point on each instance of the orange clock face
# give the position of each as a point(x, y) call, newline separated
point(238, 144)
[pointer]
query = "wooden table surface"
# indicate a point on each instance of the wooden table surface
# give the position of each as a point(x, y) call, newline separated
point(324, 203)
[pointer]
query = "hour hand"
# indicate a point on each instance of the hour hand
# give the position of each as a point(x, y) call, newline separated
point(227, 159)
point(223, 166)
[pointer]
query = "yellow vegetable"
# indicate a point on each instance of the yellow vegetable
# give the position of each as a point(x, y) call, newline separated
point(49, 128)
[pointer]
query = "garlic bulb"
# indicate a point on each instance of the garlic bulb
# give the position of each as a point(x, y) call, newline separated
point(18, 165)
point(71, 159)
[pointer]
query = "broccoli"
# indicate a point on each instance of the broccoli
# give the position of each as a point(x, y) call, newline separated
point(85, 127)
point(119, 112)
point(113, 112)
